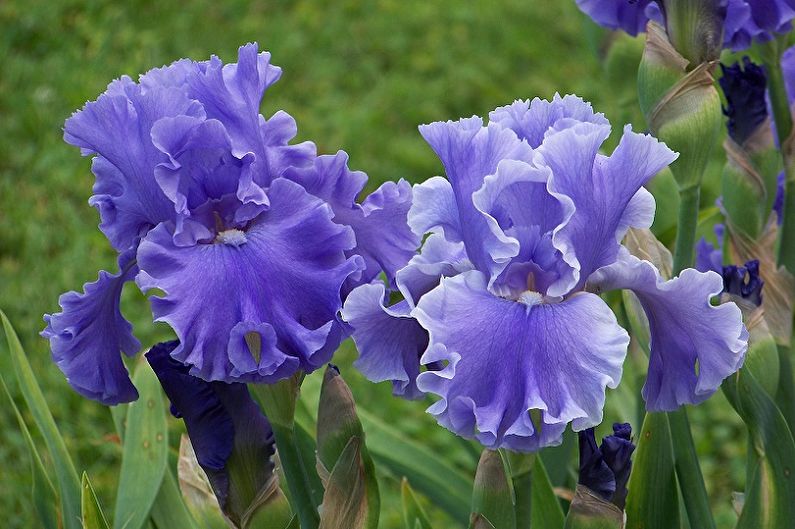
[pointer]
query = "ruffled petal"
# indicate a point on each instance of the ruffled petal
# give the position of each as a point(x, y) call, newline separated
point(434, 209)
point(694, 345)
point(518, 204)
point(89, 334)
point(116, 127)
point(227, 300)
point(438, 258)
point(390, 341)
point(232, 93)
point(469, 152)
point(602, 191)
point(533, 120)
point(383, 237)
point(505, 358)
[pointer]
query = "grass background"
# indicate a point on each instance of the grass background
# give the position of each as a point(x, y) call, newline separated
point(358, 76)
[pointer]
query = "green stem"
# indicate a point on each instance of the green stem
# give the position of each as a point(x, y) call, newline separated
point(691, 481)
point(296, 477)
point(685, 248)
point(783, 118)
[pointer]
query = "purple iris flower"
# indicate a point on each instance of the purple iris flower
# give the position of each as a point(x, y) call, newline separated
point(524, 232)
point(746, 20)
point(744, 86)
point(250, 240)
point(605, 469)
point(221, 419)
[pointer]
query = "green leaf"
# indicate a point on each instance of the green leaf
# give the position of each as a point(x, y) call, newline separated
point(341, 446)
point(478, 521)
point(65, 473)
point(492, 491)
point(545, 509)
point(43, 493)
point(770, 493)
point(169, 509)
point(653, 501)
point(307, 450)
point(93, 517)
point(446, 487)
point(414, 516)
point(144, 454)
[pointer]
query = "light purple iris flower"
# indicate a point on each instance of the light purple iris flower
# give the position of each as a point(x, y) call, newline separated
point(250, 240)
point(501, 305)
point(746, 20)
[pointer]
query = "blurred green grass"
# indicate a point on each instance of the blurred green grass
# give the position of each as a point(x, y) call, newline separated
point(358, 76)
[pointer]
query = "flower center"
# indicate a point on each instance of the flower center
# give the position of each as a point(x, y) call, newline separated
point(233, 237)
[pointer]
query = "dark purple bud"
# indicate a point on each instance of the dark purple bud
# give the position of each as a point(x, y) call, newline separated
point(744, 281)
point(223, 423)
point(594, 472)
point(617, 452)
point(605, 469)
point(744, 87)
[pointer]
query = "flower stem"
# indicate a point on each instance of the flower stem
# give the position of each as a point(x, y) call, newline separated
point(691, 481)
point(685, 247)
point(783, 118)
point(295, 475)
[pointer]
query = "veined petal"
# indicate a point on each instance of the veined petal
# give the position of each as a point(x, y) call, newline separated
point(89, 334)
point(533, 120)
point(601, 189)
point(469, 152)
point(389, 340)
point(630, 16)
point(254, 306)
point(116, 127)
point(505, 358)
point(694, 345)
point(383, 237)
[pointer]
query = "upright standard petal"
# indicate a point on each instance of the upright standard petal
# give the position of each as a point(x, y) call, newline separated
point(533, 120)
point(389, 340)
point(232, 93)
point(269, 293)
point(89, 334)
point(383, 237)
point(509, 362)
point(116, 127)
point(223, 422)
point(469, 152)
point(602, 191)
point(694, 345)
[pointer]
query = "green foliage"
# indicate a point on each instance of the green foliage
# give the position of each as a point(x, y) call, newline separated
point(145, 453)
point(492, 493)
point(653, 501)
point(93, 517)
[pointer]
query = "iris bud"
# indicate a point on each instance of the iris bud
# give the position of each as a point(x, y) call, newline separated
point(682, 106)
point(696, 28)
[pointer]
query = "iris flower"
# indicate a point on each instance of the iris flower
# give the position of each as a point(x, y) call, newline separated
point(501, 305)
point(746, 20)
point(249, 241)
